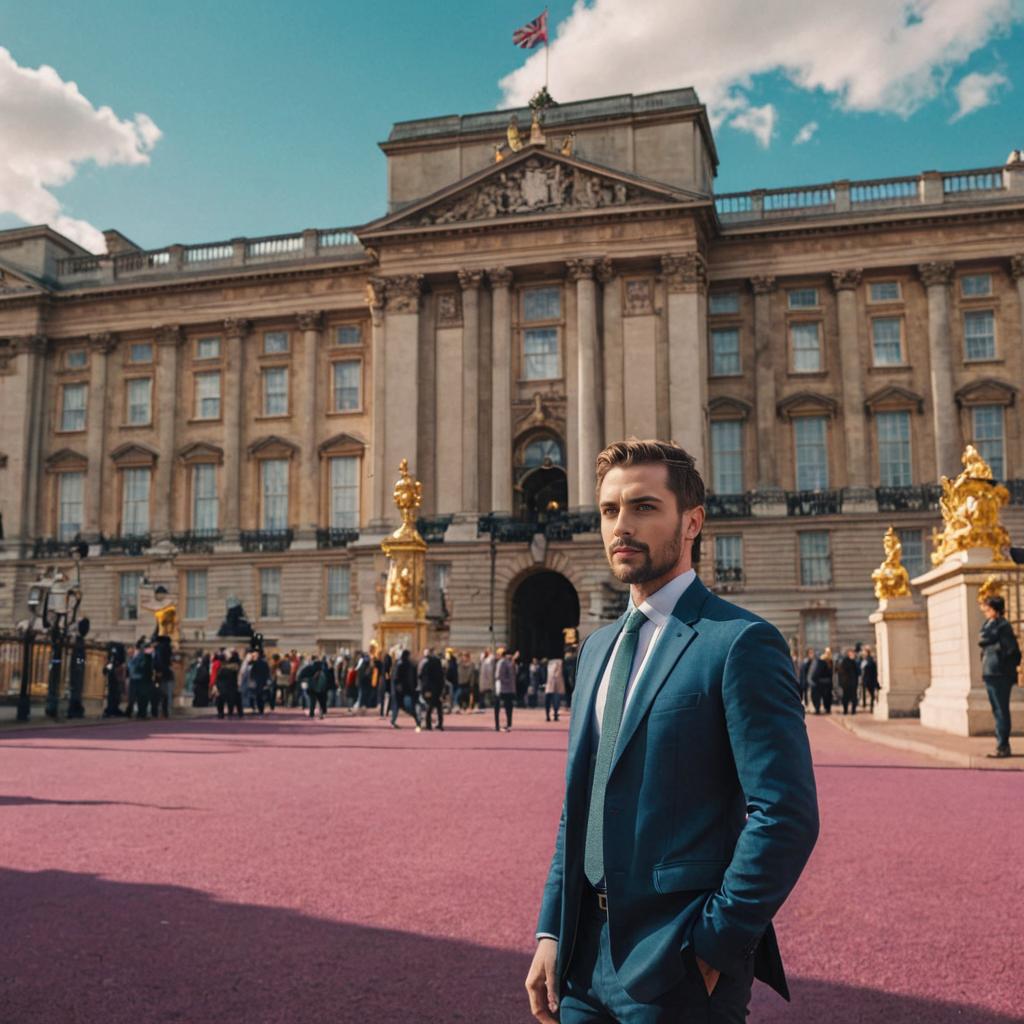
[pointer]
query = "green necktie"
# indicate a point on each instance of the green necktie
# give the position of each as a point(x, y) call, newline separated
point(611, 720)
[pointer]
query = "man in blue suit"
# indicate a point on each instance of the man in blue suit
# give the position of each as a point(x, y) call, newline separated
point(690, 807)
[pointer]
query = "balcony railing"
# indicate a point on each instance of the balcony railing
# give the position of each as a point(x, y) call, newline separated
point(196, 542)
point(133, 544)
point(814, 503)
point(554, 525)
point(50, 547)
point(728, 506)
point(728, 575)
point(918, 498)
point(433, 528)
point(335, 537)
point(1016, 489)
point(266, 540)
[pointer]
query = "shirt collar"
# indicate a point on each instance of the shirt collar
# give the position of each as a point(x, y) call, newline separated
point(659, 605)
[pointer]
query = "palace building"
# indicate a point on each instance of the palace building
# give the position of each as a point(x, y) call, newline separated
point(227, 418)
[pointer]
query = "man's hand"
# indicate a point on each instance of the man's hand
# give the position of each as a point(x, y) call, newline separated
point(541, 982)
point(709, 974)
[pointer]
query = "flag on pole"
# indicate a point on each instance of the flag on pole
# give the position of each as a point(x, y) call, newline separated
point(533, 34)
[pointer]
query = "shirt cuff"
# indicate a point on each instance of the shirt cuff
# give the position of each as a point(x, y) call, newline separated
point(546, 935)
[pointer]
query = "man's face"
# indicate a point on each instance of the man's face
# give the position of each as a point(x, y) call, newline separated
point(641, 525)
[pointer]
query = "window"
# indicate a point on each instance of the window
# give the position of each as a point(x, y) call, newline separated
point(275, 494)
point(817, 630)
point(727, 456)
point(729, 558)
point(208, 396)
point(76, 359)
point(725, 352)
point(140, 352)
point(886, 338)
point(975, 284)
point(338, 591)
point(345, 493)
point(723, 302)
point(815, 559)
point(72, 407)
point(347, 380)
point(806, 344)
point(195, 594)
point(270, 593)
point(894, 449)
point(542, 451)
point(275, 391)
point(980, 334)
point(811, 453)
point(438, 575)
point(70, 487)
point(275, 342)
point(884, 291)
point(540, 353)
point(988, 437)
point(139, 411)
point(542, 303)
point(348, 334)
point(204, 498)
point(208, 348)
point(135, 502)
point(803, 298)
point(913, 551)
point(128, 595)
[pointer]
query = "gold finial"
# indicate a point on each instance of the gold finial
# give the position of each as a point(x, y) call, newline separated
point(536, 132)
point(515, 140)
point(569, 144)
point(408, 496)
point(891, 578)
point(970, 507)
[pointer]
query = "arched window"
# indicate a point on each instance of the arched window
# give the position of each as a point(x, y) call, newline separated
point(543, 451)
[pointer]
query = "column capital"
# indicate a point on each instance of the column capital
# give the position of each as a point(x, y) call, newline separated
point(605, 270)
point(310, 320)
point(169, 336)
point(1017, 266)
point(376, 292)
point(938, 273)
point(470, 279)
point(402, 292)
point(684, 272)
point(36, 344)
point(102, 343)
point(581, 269)
point(237, 328)
point(500, 277)
point(764, 284)
point(846, 280)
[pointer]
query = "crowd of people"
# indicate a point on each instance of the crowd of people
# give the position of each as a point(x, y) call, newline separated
point(850, 680)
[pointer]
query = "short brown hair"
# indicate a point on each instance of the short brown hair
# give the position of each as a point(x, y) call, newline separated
point(683, 479)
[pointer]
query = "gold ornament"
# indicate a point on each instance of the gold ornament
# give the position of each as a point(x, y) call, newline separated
point(992, 587)
point(405, 548)
point(515, 140)
point(891, 579)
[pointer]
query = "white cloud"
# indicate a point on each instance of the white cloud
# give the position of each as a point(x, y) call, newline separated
point(806, 133)
point(874, 55)
point(48, 128)
point(759, 121)
point(975, 91)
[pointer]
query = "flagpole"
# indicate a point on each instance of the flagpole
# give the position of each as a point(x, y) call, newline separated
point(547, 51)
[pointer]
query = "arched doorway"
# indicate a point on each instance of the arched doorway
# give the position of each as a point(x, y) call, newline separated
point(541, 485)
point(543, 604)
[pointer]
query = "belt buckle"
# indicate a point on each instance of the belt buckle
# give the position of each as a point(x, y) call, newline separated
point(602, 902)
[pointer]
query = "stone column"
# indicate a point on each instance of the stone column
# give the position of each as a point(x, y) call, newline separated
point(764, 383)
point(588, 403)
point(936, 278)
point(901, 646)
point(686, 281)
point(310, 323)
point(165, 397)
point(375, 298)
point(100, 346)
point(1017, 270)
point(501, 390)
point(612, 350)
point(846, 283)
point(470, 282)
point(232, 390)
point(33, 347)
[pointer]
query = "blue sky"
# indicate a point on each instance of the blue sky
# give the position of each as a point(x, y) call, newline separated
point(269, 113)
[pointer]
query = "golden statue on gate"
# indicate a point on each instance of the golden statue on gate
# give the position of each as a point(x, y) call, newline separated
point(891, 578)
point(970, 507)
point(408, 496)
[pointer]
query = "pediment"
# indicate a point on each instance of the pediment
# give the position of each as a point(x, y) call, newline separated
point(807, 403)
point(343, 444)
point(201, 451)
point(534, 182)
point(13, 282)
point(893, 398)
point(726, 408)
point(133, 454)
point(66, 459)
point(988, 391)
point(273, 447)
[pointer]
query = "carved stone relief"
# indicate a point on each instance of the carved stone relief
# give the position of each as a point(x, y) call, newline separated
point(449, 309)
point(637, 296)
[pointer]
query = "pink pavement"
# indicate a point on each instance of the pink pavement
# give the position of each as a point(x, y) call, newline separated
point(287, 870)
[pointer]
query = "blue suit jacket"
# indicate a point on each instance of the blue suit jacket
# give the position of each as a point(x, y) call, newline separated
point(710, 810)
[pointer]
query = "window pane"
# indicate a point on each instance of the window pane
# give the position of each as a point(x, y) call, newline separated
point(811, 453)
point(913, 551)
point(195, 594)
point(349, 334)
point(976, 284)
point(208, 348)
point(894, 448)
point(980, 334)
point(724, 302)
point(345, 493)
point(803, 298)
point(275, 494)
point(347, 380)
point(988, 437)
point(270, 593)
point(69, 505)
point(725, 352)
point(727, 456)
point(538, 452)
point(138, 401)
point(275, 391)
point(338, 591)
point(207, 396)
point(540, 351)
point(728, 552)
point(275, 341)
point(76, 359)
point(885, 335)
point(72, 416)
point(128, 595)
point(204, 498)
point(542, 303)
point(815, 559)
point(885, 291)
point(817, 631)
point(141, 352)
point(806, 347)
point(135, 506)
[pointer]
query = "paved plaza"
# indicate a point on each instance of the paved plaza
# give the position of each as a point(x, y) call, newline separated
point(288, 870)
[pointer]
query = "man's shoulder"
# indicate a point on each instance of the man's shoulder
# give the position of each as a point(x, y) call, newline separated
point(728, 617)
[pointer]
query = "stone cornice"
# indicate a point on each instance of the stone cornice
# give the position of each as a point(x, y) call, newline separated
point(684, 272)
point(846, 280)
point(310, 320)
point(936, 273)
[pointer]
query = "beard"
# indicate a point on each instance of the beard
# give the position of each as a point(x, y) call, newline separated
point(652, 565)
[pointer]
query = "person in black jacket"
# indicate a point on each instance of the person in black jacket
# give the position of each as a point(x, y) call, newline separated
point(228, 693)
point(820, 675)
point(259, 680)
point(847, 673)
point(804, 677)
point(1000, 656)
point(868, 679)
point(403, 689)
point(140, 678)
point(430, 676)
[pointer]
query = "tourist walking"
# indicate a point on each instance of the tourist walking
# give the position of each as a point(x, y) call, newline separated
point(451, 675)
point(487, 666)
point(467, 683)
point(804, 677)
point(538, 677)
point(504, 689)
point(1000, 658)
point(868, 679)
point(140, 679)
point(201, 683)
point(259, 682)
point(554, 688)
point(847, 673)
point(820, 674)
point(430, 677)
point(229, 695)
point(403, 689)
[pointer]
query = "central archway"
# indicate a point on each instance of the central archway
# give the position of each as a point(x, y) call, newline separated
point(543, 604)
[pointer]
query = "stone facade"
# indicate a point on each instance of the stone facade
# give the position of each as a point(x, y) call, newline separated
point(228, 418)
